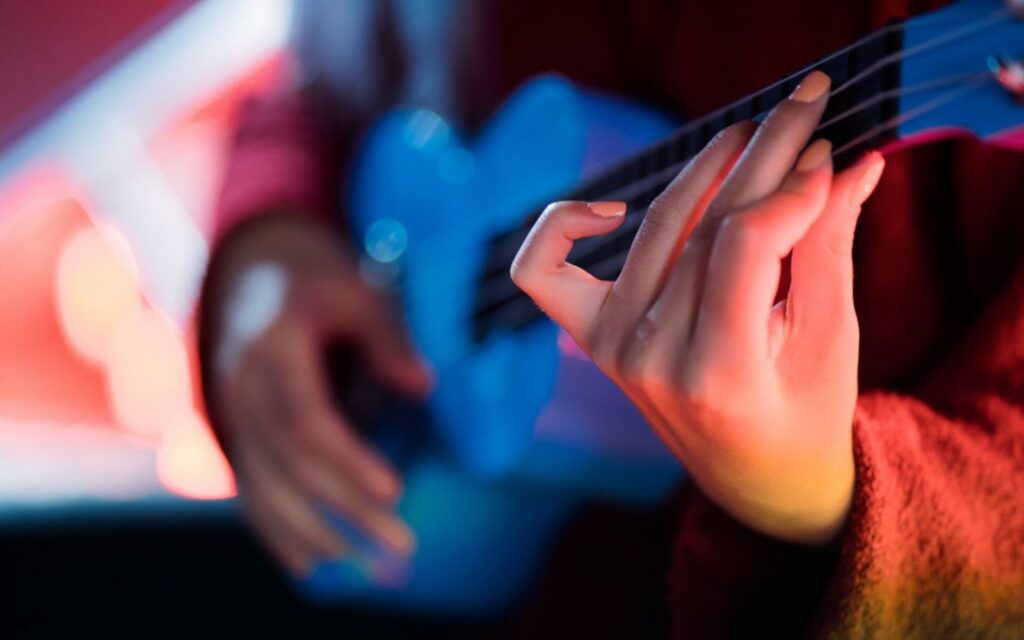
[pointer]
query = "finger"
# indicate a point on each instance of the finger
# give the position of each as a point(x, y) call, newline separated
point(392, 358)
point(322, 480)
point(567, 293)
point(336, 491)
point(671, 218)
point(302, 405)
point(759, 171)
point(821, 290)
point(288, 523)
point(354, 311)
point(745, 264)
point(769, 157)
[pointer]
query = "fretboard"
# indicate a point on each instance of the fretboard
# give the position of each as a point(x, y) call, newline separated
point(861, 103)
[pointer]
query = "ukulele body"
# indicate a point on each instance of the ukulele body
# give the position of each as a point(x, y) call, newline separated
point(521, 426)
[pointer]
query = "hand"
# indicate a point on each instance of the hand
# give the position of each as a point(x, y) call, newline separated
point(755, 398)
point(284, 290)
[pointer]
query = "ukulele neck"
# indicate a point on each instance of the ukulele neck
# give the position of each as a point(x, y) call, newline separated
point(864, 98)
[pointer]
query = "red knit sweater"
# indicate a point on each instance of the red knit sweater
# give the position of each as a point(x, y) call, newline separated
point(935, 542)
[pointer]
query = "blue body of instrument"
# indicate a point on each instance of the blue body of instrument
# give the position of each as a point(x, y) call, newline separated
point(522, 427)
point(528, 428)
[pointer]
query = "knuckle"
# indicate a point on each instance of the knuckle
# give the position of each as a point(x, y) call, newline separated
point(551, 216)
point(645, 365)
point(840, 243)
point(701, 392)
point(556, 208)
point(658, 210)
point(635, 358)
point(633, 369)
point(521, 272)
point(741, 230)
point(652, 375)
point(659, 215)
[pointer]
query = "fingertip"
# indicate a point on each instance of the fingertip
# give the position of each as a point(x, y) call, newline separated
point(818, 155)
point(407, 373)
point(383, 484)
point(296, 563)
point(871, 173)
point(300, 571)
point(399, 538)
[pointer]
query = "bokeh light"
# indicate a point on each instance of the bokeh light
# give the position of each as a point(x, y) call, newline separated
point(97, 290)
point(190, 463)
point(148, 374)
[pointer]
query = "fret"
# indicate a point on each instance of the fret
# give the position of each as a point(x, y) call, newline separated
point(684, 147)
point(499, 302)
point(742, 111)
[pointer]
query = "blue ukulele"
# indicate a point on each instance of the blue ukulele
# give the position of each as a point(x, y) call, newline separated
point(522, 428)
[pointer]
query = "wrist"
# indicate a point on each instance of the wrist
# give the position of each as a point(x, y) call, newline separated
point(816, 503)
point(802, 504)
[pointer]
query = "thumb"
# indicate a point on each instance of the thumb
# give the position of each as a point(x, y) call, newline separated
point(822, 267)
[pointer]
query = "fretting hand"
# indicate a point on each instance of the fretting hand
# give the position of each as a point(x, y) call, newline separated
point(755, 398)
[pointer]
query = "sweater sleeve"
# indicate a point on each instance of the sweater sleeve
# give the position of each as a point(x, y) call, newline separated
point(291, 147)
point(282, 157)
point(934, 546)
point(280, 162)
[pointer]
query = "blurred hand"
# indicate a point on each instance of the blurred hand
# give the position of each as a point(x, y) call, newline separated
point(755, 398)
point(286, 290)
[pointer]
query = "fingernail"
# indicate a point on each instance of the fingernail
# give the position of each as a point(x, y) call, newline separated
point(813, 87)
point(869, 180)
point(608, 209)
point(815, 156)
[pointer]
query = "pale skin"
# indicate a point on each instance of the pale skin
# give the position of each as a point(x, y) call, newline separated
point(755, 398)
point(294, 452)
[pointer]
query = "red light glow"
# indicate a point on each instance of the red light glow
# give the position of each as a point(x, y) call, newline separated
point(148, 374)
point(191, 464)
point(97, 290)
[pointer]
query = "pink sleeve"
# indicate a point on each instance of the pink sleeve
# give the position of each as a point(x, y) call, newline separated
point(284, 156)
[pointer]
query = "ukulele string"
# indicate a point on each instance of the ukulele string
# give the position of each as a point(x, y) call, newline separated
point(989, 19)
point(928, 85)
point(499, 284)
point(665, 175)
point(516, 237)
point(993, 19)
point(896, 121)
point(662, 177)
point(607, 267)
